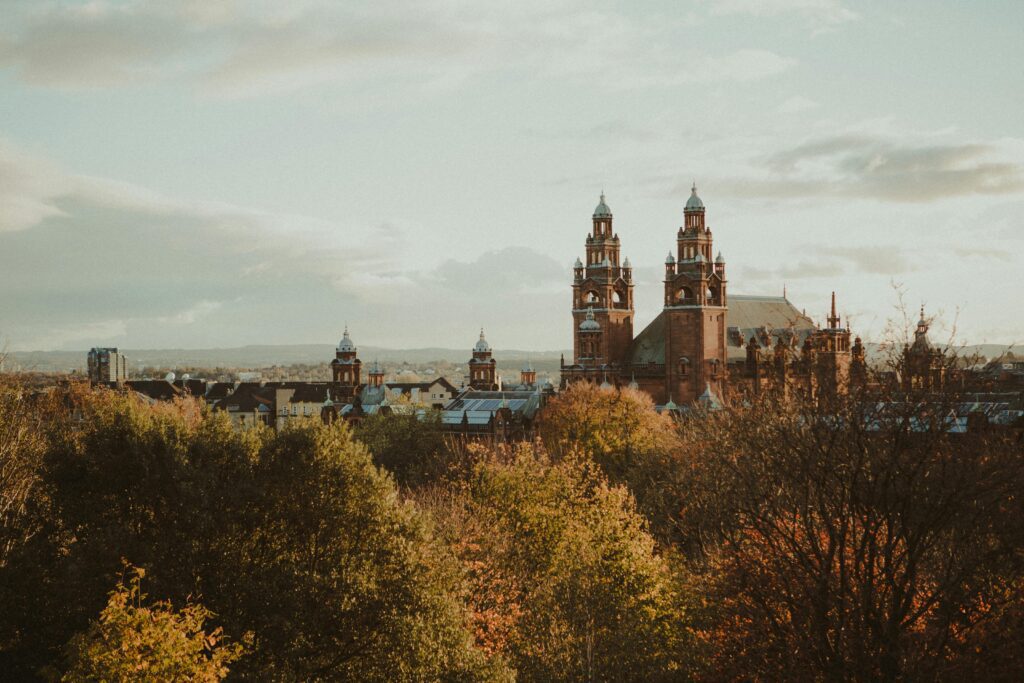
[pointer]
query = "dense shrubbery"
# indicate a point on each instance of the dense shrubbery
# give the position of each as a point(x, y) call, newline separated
point(777, 540)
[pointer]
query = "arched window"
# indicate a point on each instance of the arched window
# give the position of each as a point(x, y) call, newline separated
point(617, 297)
point(684, 365)
point(591, 297)
point(684, 294)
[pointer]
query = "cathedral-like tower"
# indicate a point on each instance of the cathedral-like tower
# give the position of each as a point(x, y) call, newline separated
point(833, 355)
point(482, 366)
point(602, 300)
point(695, 308)
point(346, 366)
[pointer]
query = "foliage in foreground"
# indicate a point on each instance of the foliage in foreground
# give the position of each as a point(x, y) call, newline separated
point(133, 641)
point(567, 583)
point(295, 537)
point(781, 539)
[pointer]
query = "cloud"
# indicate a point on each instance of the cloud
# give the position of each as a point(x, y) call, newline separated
point(877, 259)
point(831, 262)
point(232, 49)
point(865, 166)
point(796, 104)
point(97, 262)
point(824, 12)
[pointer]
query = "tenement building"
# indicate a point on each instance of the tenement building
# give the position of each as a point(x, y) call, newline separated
point(706, 344)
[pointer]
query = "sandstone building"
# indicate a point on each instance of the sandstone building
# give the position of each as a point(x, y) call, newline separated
point(706, 344)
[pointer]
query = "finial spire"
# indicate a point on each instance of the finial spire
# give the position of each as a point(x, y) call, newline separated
point(833, 319)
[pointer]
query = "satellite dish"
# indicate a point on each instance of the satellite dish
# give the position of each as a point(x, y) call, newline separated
point(169, 377)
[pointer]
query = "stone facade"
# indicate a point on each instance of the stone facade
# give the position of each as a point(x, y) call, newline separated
point(703, 346)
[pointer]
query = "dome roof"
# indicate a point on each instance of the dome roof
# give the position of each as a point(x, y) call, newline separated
point(602, 209)
point(694, 203)
point(626, 263)
point(719, 258)
point(346, 342)
point(376, 368)
point(482, 345)
point(590, 325)
point(670, 258)
point(579, 262)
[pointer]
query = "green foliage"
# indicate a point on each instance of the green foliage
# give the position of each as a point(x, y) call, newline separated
point(369, 594)
point(615, 428)
point(295, 536)
point(593, 599)
point(132, 641)
point(412, 449)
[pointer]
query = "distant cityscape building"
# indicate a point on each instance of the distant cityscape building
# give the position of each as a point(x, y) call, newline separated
point(705, 345)
point(107, 365)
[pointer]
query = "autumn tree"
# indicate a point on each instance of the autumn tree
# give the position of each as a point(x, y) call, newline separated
point(575, 588)
point(22, 445)
point(133, 640)
point(295, 536)
point(856, 539)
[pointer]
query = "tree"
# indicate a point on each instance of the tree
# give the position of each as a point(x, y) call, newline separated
point(295, 536)
point(621, 432)
point(575, 590)
point(410, 447)
point(853, 539)
point(614, 427)
point(22, 445)
point(338, 577)
point(133, 641)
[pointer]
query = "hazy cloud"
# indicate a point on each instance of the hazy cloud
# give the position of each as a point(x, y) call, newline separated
point(796, 104)
point(234, 48)
point(878, 259)
point(831, 262)
point(828, 12)
point(92, 261)
point(872, 167)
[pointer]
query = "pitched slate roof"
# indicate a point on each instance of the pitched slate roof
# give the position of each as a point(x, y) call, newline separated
point(747, 315)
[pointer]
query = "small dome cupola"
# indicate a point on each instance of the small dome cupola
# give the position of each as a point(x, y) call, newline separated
point(602, 210)
point(590, 324)
point(719, 258)
point(579, 263)
point(482, 346)
point(346, 345)
point(670, 259)
point(694, 203)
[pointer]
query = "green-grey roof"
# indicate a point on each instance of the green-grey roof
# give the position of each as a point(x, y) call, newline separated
point(602, 209)
point(694, 202)
point(746, 315)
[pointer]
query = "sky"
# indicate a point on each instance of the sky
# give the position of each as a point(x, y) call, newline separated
point(217, 173)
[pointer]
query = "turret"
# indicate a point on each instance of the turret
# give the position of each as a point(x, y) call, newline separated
point(482, 367)
point(345, 368)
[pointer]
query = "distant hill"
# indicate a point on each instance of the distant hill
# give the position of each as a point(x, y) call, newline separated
point(257, 356)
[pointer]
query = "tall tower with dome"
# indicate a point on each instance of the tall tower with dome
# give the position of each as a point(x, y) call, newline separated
point(602, 300)
point(346, 367)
